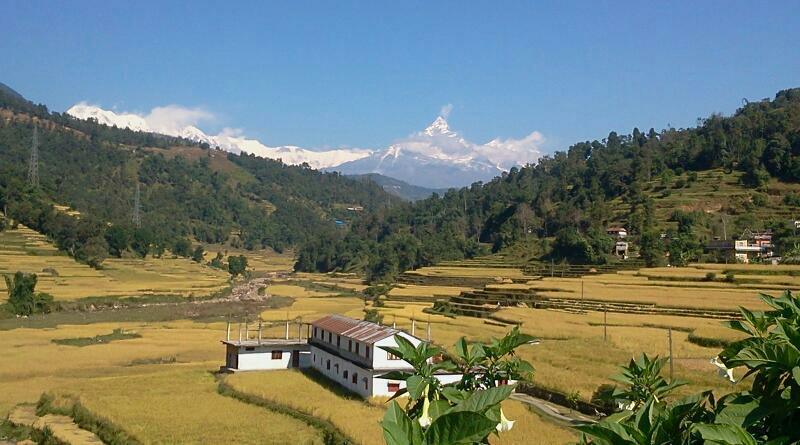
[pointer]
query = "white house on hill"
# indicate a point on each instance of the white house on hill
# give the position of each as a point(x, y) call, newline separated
point(259, 355)
point(349, 352)
point(345, 350)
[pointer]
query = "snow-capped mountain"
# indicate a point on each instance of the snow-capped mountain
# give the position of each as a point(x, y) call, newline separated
point(436, 157)
point(228, 140)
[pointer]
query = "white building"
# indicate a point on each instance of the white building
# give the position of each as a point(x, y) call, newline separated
point(349, 352)
point(255, 355)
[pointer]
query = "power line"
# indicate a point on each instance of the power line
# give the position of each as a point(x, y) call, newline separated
point(33, 167)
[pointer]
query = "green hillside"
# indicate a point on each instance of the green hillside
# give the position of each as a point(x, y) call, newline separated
point(187, 191)
point(728, 174)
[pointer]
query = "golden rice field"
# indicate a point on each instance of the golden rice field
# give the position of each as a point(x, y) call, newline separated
point(360, 420)
point(479, 272)
point(674, 286)
point(150, 400)
point(59, 275)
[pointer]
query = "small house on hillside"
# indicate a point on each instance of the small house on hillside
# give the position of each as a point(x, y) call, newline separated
point(254, 355)
point(348, 351)
point(345, 350)
point(617, 232)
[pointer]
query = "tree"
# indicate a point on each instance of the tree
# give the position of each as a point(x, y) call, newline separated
point(198, 254)
point(683, 248)
point(93, 252)
point(118, 239)
point(651, 248)
point(23, 298)
point(182, 247)
point(237, 265)
point(464, 412)
point(217, 261)
point(143, 240)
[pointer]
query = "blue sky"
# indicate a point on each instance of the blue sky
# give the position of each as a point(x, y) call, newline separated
point(324, 74)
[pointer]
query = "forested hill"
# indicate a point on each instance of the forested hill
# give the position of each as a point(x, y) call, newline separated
point(569, 198)
point(187, 192)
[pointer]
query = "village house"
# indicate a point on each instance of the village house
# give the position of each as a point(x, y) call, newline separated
point(617, 232)
point(346, 351)
point(756, 245)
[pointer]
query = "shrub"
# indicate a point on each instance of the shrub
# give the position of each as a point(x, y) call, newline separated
point(711, 276)
point(22, 297)
point(730, 277)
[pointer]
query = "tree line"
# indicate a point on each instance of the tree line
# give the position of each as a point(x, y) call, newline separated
point(206, 196)
point(568, 196)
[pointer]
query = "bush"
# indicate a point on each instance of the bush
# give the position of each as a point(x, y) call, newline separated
point(759, 199)
point(730, 277)
point(22, 297)
point(711, 276)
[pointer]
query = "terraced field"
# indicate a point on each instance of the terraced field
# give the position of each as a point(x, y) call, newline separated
point(59, 275)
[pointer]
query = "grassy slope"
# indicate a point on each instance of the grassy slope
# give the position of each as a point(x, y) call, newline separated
point(714, 192)
point(28, 251)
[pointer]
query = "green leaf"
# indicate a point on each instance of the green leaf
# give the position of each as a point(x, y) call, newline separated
point(725, 434)
point(437, 408)
point(416, 385)
point(459, 428)
point(398, 428)
point(483, 399)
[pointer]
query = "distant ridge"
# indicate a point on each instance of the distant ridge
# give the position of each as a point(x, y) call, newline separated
point(399, 188)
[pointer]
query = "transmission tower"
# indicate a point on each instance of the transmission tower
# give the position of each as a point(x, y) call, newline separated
point(137, 211)
point(33, 168)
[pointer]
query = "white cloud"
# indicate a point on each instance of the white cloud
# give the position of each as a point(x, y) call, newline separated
point(172, 119)
point(510, 152)
point(446, 110)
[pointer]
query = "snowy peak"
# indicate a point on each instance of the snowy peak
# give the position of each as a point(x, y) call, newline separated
point(172, 121)
point(438, 127)
point(85, 111)
point(437, 156)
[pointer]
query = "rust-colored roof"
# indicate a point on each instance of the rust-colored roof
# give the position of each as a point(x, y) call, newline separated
point(364, 331)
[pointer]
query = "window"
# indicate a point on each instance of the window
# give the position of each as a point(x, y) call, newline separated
point(328, 365)
point(250, 348)
point(277, 355)
point(315, 331)
point(330, 337)
point(394, 387)
point(357, 346)
point(366, 349)
point(349, 345)
point(355, 377)
point(392, 356)
point(314, 357)
point(338, 341)
point(344, 375)
point(336, 368)
point(366, 383)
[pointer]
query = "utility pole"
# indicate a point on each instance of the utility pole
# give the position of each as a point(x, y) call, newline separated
point(671, 369)
point(33, 168)
point(137, 216)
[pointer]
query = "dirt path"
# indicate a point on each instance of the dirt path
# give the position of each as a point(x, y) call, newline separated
point(558, 413)
point(62, 427)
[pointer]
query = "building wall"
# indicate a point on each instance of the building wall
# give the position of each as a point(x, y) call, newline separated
point(380, 358)
point(260, 358)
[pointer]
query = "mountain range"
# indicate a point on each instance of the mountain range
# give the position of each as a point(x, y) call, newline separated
point(436, 157)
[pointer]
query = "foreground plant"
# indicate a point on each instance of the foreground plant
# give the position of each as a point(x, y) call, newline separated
point(769, 413)
point(465, 412)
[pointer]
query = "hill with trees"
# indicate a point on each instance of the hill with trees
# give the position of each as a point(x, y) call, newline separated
point(89, 173)
point(685, 186)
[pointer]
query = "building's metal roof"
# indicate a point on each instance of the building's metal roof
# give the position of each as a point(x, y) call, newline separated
point(360, 330)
